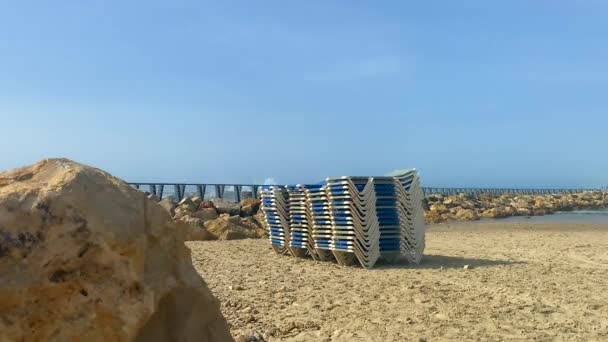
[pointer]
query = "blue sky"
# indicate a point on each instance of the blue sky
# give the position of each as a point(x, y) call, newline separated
point(472, 93)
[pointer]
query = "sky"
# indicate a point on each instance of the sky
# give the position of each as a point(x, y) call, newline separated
point(471, 93)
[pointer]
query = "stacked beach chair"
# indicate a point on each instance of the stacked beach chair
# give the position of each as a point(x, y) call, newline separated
point(355, 228)
point(319, 220)
point(349, 219)
point(300, 240)
point(276, 215)
point(411, 215)
point(389, 220)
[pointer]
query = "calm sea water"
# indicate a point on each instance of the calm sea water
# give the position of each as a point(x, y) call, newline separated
point(582, 216)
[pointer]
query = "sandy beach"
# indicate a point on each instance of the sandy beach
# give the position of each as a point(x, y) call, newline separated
point(525, 281)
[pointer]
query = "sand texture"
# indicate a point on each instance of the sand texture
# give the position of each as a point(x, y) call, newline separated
point(525, 281)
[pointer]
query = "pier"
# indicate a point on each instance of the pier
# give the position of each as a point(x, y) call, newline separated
point(236, 192)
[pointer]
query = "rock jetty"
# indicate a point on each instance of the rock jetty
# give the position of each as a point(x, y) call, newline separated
point(464, 207)
point(223, 220)
point(85, 257)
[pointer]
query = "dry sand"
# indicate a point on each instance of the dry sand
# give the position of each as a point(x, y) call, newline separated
point(527, 281)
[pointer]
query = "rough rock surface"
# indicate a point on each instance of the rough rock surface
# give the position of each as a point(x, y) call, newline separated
point(85, 257)
point(169, 205)
point(206, 214)
point(226, 207)
point(194, 229)
point(250, 206)
point(222, 229)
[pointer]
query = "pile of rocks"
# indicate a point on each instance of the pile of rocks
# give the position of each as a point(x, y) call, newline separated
point(216, 219)
point(223, 220)
point(462, 207)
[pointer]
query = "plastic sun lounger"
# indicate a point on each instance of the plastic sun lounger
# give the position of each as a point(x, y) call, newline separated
point(355, 224)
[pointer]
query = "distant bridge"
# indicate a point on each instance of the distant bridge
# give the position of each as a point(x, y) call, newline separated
point(236, 192)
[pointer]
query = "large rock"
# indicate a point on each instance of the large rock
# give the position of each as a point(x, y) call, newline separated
point(197, 201)
point(439, 208)
point(206, 204)
point(194, 229)
point(206, 214)
point(433, 216)
point(187, 204)
point(493, 213)
point(250, 206)
point(85, 257)
point(169, 205)
point(223, 230)
point(251, 224)
point(226, 207)
point(466, 215)
point(260, 220)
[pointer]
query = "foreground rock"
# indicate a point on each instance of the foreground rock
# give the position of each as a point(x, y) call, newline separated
point(85, 257)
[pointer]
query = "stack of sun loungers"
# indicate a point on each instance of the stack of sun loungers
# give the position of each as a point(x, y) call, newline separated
point(276, 214)
point(355, 228)
point(411, 215)
point(319, 221)
point(349, 219)
point(300, 241)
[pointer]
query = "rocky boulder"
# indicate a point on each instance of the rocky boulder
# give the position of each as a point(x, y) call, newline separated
point(493, 213)
point(197, 201)
point(433, 216)
point(222, 229)
point(466, 215)
point(85, 257)
point(260, 220)
point(187, 204)
point(169, 204)
point(252, 224)
point(194, 229)
point(206, 205)
point(206, 214)
point(226, 207)
point(250, 206)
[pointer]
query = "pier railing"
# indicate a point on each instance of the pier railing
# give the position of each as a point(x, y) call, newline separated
point(236, 192)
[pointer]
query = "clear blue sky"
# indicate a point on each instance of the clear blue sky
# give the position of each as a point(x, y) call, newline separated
point(472, 93)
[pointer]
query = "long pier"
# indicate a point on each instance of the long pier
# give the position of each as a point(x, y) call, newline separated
point(239, 191)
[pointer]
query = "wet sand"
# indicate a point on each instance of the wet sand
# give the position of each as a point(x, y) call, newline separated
point(526, 281)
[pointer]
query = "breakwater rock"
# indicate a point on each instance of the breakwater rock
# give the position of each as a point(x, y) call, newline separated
point(85, 257)
point(462, 207)
point(216, 219)
point(223, 220)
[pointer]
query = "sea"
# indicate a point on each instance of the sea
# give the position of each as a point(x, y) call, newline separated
point(577, 216)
